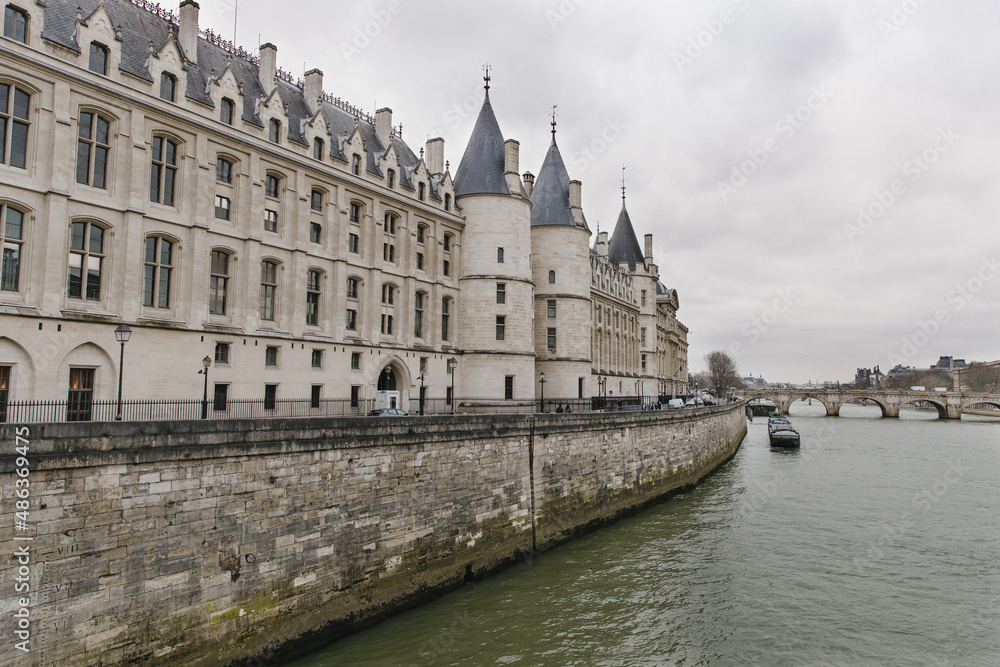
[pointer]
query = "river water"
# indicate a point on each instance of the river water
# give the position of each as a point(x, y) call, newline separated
point(877, 543)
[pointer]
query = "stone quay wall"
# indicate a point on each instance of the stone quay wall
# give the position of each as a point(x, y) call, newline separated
point(249, 543)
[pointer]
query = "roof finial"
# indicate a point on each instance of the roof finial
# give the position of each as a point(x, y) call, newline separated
point(487, 77)
point(554, 122)
point(623, 184)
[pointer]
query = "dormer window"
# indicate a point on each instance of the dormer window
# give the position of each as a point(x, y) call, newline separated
point(318, 149)
point(15, 24)
point(420, 191)
point(98, 58)
point(274, 133)
point(447, 202)
point(227, 111)
point(168, 86)
point(390, 179)
point(356, 164)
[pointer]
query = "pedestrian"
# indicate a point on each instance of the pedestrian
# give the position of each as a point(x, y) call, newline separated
point(559, 409)
point(569, 408)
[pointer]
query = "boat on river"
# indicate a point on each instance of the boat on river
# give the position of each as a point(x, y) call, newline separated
point(780, 431)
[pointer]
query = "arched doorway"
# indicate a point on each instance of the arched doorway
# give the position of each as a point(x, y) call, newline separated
point(387, 394)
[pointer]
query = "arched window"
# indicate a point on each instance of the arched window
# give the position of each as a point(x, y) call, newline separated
point(12, 242)
point(15, 24)
point(92, 149)
point(227, 111)
point(168, 86)
point(86, 261)
point(158, 266)
point(312, 297)
point(98, 58)
point(219, 285)
point(268, 289)
point(224, 170)
point(14, 124)
point(163, 173)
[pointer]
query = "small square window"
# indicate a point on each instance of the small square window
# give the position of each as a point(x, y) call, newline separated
point(317, 359)
point(355, 361)
point(271, 356)
point(222, 207)
point(222, 353)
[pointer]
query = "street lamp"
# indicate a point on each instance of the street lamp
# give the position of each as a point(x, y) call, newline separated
point(122, 334)
point(541, 381)
point(421, 393)
point(452, 365)
point(206, 362)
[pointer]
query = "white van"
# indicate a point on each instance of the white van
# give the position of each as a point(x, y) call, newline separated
point(675, 403)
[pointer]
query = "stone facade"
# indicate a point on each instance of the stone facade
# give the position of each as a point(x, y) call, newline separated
point(156, 176)
point(196, 544)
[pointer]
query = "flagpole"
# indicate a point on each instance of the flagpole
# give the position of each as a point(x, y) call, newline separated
point(236, 13)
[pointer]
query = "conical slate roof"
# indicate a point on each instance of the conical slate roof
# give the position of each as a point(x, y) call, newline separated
point(550, 196)
point(481, 170)
point(624, 247)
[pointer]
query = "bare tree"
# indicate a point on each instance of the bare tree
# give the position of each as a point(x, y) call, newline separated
point(699, 380)
point(981, 378)
point(722, 372)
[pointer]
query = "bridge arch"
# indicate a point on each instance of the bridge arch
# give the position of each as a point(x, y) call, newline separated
point(942, 408)
point(868, 400)
point(827, 404)
point(971, 404)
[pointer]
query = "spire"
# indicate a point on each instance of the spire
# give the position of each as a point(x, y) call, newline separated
point(554, 123)
point(481, 170)
point(550, 202)
point(623, 186)
point(624, 247)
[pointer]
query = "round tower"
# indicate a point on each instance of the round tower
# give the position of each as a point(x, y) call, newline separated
point(495, 309)
point(560, 266)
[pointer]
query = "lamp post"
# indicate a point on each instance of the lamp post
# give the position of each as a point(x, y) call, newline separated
point(206, 362)
point(421, 393)
point(122, 334)
point(452, 365)
point(541, 381)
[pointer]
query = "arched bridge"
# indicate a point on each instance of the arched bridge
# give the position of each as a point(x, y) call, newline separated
point(949, 404)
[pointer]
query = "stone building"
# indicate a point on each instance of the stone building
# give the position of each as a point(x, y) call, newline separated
point(157, 176)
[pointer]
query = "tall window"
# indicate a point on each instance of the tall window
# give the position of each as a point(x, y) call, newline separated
point(223, 170)
point(98, 58)
point(353, 292)
point(222, 353)
point(356, 164)
point(271, 355)
point(353, 243)
point(312, 298)
point(317, 358)
point(643, 297)
point(420, 261)
point(447, 242)
point(268, 289)
point(14, 124)
point(168, 86)
point(15, 24)
point(552, 276)
point(86, 261)
point(163, 175)
point(390, 179)
point(355, 212)
point(352, 288)
point(355, 361)
point(390, 224)
point(352, 319)
point(315, 232)
point(387, 324)
point(92, 148)
point(157, 268)
point(272, 185)
point(508, 387)
point(421, 234)
point(447, 201)
point(446, 268)
point(314, 399)
point(227, 111)
point(4, 390)
point(12, 242)
point(316, 200)
point(420, 191)
point(551, 338)
point(551, 307)
point(318, 148)
point(501, 327)
point(81, 394)
point(418, 315)
point(270, 220)
point(501, 292)
point(219, 283)
point(222, 207)
point(274, 131)
point(499, 255)
point(389, 253)
point(445, 303)
point(388, 295)
point(642, 336)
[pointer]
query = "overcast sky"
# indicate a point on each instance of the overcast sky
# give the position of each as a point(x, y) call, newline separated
point(754, 132)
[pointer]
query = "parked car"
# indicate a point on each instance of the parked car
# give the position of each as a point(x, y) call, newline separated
point(386, 412)
point(675, 403)
point(690, 402)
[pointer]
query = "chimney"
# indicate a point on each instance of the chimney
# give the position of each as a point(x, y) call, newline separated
point(383, 125)
point(435, 156)
point(529, 182)
point(512, 159)
point(602, 244)
point(189, 30)
point(576, 201)
point(313, 89)
point(268, 67)
point(649, 247)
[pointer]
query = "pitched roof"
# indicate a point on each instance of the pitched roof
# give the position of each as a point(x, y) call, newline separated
point(142, 26)
point(481, 170)
point(624, 247)
point(550, 196)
